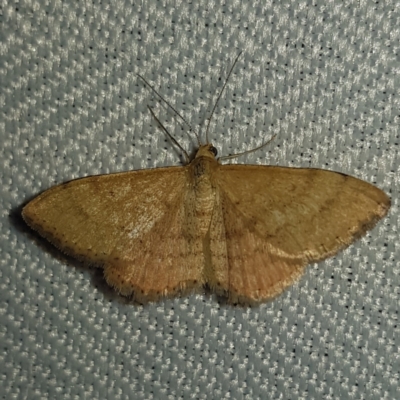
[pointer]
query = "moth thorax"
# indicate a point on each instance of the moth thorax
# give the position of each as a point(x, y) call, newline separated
point(204, 194)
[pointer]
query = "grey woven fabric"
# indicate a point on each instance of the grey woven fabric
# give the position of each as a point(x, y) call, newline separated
point(322, 75)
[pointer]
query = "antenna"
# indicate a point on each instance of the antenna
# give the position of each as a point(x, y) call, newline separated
point(172, 108)
point(220, 94)
point(169, 135)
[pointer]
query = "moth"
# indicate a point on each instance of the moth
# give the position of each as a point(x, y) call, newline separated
point(246, 232)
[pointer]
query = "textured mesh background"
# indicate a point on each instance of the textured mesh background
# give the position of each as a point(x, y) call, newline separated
point(322, 75)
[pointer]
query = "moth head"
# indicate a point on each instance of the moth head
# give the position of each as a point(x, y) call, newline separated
point(207, 150)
